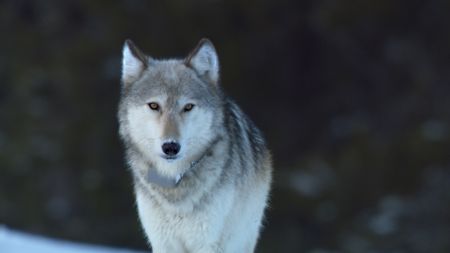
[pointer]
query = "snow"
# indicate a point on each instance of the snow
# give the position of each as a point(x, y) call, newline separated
point(19, 242)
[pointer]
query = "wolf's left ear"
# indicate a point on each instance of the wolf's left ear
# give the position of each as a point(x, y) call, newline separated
point(134, 62)
point(204, 60)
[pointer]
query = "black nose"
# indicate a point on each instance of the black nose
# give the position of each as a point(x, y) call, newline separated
point(171, 148)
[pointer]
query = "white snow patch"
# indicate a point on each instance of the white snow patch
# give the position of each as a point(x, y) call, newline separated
point(19, 242)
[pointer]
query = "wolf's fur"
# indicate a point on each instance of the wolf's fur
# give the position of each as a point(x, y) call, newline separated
point(223, 165)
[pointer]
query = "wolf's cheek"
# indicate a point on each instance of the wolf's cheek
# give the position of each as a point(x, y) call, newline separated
point(196, 129)
point(144, 129)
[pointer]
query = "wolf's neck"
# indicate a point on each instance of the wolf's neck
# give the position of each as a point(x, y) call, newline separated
point(154, 177)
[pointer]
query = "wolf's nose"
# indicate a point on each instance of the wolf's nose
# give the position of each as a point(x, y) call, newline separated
point(171, 148)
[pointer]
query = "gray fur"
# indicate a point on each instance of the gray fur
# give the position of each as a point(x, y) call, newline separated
point(232, 156)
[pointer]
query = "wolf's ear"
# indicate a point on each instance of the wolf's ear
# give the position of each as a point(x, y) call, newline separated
point(203, 59)
point(134, 62)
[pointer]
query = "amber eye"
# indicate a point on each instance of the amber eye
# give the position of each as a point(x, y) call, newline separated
point(188, 107)
point(153, 106)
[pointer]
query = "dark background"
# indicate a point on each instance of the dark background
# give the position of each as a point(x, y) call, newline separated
point(353, 97)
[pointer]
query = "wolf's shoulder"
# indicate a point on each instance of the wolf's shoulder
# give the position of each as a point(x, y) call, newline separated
point(237, 118)
point(244, 134)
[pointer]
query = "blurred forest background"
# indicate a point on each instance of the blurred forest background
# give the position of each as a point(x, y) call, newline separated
point(353, 96)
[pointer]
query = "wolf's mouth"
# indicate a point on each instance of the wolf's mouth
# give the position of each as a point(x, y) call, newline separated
point(170, 157)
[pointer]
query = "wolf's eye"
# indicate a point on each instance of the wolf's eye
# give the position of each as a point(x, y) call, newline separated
point(153, 106)
point(188, 107)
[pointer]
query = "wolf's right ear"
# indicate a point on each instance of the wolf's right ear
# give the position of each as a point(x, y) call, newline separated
point(134, 62)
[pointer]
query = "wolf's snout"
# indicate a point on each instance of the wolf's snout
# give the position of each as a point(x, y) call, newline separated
point(171, 148)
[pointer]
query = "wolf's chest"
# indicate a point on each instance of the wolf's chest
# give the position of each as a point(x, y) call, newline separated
point(186, 221)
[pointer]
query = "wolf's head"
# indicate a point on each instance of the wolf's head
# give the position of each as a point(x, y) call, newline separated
point(170, 110)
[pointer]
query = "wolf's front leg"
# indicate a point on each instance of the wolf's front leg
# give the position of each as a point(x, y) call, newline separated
point(167, 248)
point(163, 249)
point(215, 248)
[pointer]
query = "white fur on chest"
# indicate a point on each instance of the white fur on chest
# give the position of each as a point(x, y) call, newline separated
point(173, 230)
point(229, 223)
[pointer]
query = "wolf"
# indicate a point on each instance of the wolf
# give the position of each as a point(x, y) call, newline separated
point(201, 169)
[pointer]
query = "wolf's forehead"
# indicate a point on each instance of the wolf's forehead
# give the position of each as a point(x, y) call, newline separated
point(170, 79)
point(171, 72)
